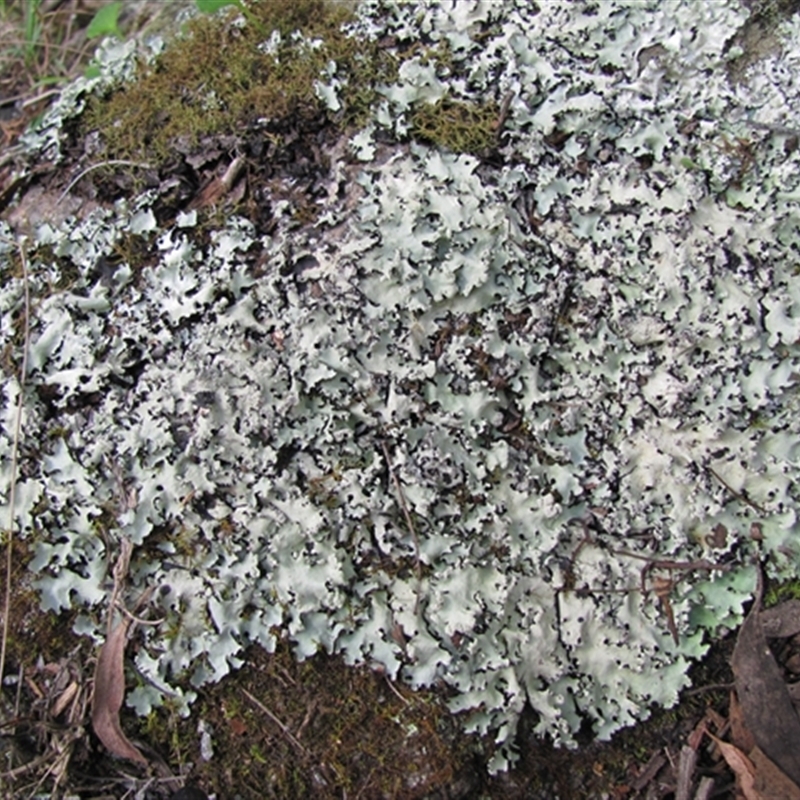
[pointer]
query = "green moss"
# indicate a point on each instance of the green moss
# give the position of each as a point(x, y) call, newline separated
point(282, 728)
point(217, 80)
point(49, 632)
point(780, 592)
point(457, 126)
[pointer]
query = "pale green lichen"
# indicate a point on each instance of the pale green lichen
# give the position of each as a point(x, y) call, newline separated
point(559, 355)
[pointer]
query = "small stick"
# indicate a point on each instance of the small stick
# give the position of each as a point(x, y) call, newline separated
point(286, 732)
point(736, 494)
point(217, 188)
point(142, 601)
point(665, 563)
point(779, 129)
point(395, 690)
point(712, 687)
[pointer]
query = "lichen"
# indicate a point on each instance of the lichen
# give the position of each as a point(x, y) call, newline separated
point(518, 424)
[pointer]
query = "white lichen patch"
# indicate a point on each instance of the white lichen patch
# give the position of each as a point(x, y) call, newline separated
point(578, 359)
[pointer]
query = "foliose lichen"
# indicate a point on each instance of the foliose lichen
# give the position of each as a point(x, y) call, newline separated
point(519, 425)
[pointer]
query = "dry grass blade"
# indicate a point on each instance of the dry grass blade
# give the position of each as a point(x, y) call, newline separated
point(286, 732)
point(409, 521)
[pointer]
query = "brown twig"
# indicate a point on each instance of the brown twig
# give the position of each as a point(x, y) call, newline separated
point(505, 108)
point(738, 495)
point(663, 586)
point(782, 130)
point(219, 187)
point(666, 563)
point(712, 687)
point(286, 732)
point(395, 690)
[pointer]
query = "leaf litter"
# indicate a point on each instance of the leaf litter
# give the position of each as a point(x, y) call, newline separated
point(763, 717)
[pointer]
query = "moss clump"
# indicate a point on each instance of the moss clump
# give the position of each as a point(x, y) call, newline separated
point(221, 79)
point(781, 592)
point(50, 632)
point(457, 126)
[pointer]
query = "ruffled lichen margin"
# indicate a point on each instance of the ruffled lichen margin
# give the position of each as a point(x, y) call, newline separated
point(578, 358)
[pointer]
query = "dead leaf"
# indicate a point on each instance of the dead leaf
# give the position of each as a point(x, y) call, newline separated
point(771, 781)
point(767, 708)
point(742, 767)
point(109, 692)
point(740, 733)
point(238, 726)
point(64, 699)
point(109, 672)
point(781, 621)
point(718, 536)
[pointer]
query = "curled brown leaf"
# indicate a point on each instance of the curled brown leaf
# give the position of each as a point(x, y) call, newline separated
point(109, 692)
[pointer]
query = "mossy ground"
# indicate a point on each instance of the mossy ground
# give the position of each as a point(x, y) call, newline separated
point(287, 729)
point(216, 81)
point(316, 728)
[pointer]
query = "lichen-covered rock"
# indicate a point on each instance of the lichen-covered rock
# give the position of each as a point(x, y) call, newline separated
point(459, 438)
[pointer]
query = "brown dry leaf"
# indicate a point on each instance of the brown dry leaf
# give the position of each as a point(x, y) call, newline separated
point(766, 705)
point(65, 699)
point(771, 781)
point(109, 692)
point(781, 621)
point(742, 767)
point(740, 733)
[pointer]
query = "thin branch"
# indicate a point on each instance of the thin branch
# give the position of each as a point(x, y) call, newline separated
point(286, 732)
point(502, 118)
point(738, 495)
point(712, 687)
point(14, 455)
point(781, 130)
point(667, 563)
point(395, 690)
